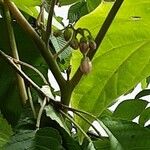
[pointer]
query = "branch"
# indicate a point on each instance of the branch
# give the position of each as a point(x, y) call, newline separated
point(40, 18)
point(76, 110)
point(40, 113)
point(80, 129)
point(14, 51)
point(86, 120)
point(10, 61)
point(33, 68)
point(49, 22)
point(45, 52)
point(31, 102)
point(99, 38)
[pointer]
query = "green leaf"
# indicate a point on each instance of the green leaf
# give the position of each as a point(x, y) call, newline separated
point(28, 3)
point(81, 8)
point(58, 44)
point(126, 135)
point(76, 11)
point(88, 145)
point(64, 57)
point(27, 120)
point(5, 132)
point(28, 6)
point(67, 2)
point(121, 62)
point(69, 143)
point(144, 84)
point(145, 116)
point(103, 144)
point(54, 115)
point(105, 113)
point(91, 5)
point(143, 93)
point(130, 109)
point(48, 138)
point(21, 141)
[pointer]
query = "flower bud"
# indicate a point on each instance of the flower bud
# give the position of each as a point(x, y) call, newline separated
point(86, 65)
point(67, 34)
point(92, 45)
point(74, 43)
point(84, 45)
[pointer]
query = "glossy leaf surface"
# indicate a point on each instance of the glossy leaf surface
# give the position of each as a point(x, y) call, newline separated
point(121, 61)
point(129, 109)
point(48, 138)
point(21, 141)
point(5, 132)
point(126, 135)
point(28, 6)
point(145, 116)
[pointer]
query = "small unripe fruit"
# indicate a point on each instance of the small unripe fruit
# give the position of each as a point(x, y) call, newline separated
point(92, 45)
point(68, 34)
point(74, 43)
point(86, 65)
point(84, 45)
point(57, 33)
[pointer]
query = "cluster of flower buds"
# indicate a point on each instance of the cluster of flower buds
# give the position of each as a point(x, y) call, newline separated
point(80, 39)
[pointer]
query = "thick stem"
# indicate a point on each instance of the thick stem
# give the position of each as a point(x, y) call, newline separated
point(12, 43)
point(102, 32)
point(99, 38)
point(66, 94)
point(45, 52)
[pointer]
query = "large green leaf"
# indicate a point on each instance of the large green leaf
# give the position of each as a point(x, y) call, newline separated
point(91, 5)
point(81, 8)
point(9, 96)
point(28, 6)
point(28, 3)
point(68, 142)
point(122, 60)
point(126, 135)
point(145, 116)
point(5, 132)
point(103, 144)
point(129, 109)
point(48, 138)
point(67, 2)
point(76, 11)
point(21, 141)
point(54, 115)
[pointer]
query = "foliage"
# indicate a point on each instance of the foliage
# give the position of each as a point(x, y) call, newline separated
point(5, 131)
point(104, 53)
